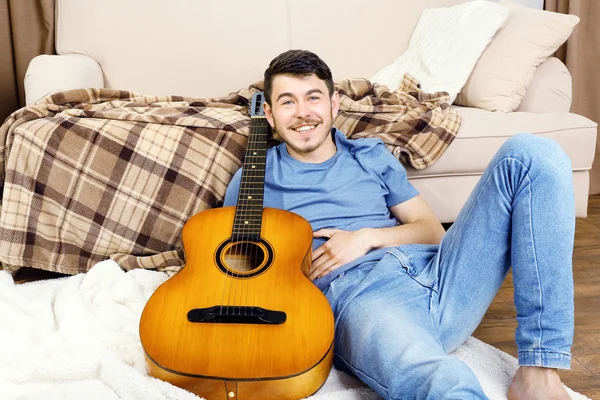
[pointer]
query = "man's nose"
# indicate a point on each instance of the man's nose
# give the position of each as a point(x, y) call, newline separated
point(303, 109)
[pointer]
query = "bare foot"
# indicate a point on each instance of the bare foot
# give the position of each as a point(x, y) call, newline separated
point(537, 383)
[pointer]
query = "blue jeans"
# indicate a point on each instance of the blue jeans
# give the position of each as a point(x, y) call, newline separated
point(397, 319)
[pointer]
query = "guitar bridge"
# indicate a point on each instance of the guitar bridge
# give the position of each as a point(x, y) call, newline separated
point(236, 315)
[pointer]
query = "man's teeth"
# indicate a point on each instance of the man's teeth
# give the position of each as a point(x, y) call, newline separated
point(305, 128)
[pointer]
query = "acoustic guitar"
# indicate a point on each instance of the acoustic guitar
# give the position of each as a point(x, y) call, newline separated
point(241, 320)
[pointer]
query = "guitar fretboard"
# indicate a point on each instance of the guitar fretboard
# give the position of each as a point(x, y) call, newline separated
point(248, 215)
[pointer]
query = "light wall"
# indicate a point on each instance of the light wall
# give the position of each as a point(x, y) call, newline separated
point(530, 3)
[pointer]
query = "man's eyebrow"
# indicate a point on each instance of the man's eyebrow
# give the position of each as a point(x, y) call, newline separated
point(285, 94)
point(308, 92)
point(316, 90)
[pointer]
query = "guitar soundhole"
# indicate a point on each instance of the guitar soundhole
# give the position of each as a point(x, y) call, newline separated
point(244, 257)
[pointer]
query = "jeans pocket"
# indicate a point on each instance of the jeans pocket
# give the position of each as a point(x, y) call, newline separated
point(419, 261)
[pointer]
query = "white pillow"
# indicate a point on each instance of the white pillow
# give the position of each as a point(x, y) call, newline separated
point(445, 46)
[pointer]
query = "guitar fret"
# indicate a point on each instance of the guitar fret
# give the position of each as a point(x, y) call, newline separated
point(249, 212)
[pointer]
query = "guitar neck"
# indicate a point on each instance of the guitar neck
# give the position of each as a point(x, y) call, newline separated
point(248, 216)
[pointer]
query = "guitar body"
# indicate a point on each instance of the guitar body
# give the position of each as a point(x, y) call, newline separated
point(258, 328)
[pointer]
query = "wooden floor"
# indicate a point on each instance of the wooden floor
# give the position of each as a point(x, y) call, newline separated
point(498, 326)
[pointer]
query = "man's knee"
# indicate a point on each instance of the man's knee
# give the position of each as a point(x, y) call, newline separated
point(443, 377)
point(536, 152)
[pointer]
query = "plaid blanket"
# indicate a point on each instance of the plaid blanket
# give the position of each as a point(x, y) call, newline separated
point(90, 174)
point(417, 127)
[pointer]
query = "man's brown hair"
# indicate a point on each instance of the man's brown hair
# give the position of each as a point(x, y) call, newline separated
point(297, 63)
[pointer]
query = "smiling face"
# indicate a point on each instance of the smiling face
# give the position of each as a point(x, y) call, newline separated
point(302, 113)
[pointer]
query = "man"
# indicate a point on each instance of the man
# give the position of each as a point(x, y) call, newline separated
point(404, 293)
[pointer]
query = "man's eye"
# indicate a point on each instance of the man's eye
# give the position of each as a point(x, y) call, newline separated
point(312, 98)
point(286, 103)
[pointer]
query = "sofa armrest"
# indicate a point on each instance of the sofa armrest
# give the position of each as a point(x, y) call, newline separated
point(550, 89)
point(48, 74)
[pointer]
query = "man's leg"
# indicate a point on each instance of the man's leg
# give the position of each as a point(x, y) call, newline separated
point(521, 213)
point(385, 336)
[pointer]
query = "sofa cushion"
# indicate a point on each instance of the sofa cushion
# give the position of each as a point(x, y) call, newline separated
point(483, 132)
point(504, 71)
point(445, 46)
point(551, 89)
point(446, 195)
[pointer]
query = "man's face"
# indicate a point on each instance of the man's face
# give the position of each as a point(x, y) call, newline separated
point(302, 113)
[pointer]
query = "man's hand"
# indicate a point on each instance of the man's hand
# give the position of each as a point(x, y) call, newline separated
point(341, 248)
point(418, 224)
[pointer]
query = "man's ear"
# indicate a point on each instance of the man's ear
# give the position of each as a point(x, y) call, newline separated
point(269, 114)
point(335, 104)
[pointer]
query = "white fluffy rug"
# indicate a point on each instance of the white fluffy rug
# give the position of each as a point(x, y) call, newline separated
point(77, 338)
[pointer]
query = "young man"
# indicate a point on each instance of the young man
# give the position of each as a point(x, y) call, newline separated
point(403, 293)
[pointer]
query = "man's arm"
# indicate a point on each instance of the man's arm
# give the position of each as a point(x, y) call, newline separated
point(419, 225)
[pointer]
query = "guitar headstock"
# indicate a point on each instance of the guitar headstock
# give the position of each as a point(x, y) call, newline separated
point(256, 108)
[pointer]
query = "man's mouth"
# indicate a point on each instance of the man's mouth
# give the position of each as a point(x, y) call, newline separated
point(305, 128)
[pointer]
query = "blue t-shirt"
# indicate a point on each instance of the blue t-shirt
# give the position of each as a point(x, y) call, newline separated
point(353, 189)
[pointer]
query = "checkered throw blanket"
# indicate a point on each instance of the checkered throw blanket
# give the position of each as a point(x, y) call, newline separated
point(90, 174)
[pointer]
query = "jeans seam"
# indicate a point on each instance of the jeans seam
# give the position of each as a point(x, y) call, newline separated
point(540, 351)
point(537, 269)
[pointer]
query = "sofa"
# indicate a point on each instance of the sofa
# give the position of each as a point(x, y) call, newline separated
point(201, 48)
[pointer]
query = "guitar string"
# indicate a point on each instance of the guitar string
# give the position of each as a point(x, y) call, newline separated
point(262, 169)
point(237, 233)
point(249, 208)
point(248, 242)
point(241, 234)
point(252, 245)
point(259, 153)
point(249, 245)
point(247, 203)
point(239, 243)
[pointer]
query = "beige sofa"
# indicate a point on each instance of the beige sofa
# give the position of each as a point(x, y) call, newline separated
point(211, 48)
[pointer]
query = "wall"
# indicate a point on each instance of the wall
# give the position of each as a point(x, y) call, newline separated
point(530, 3)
